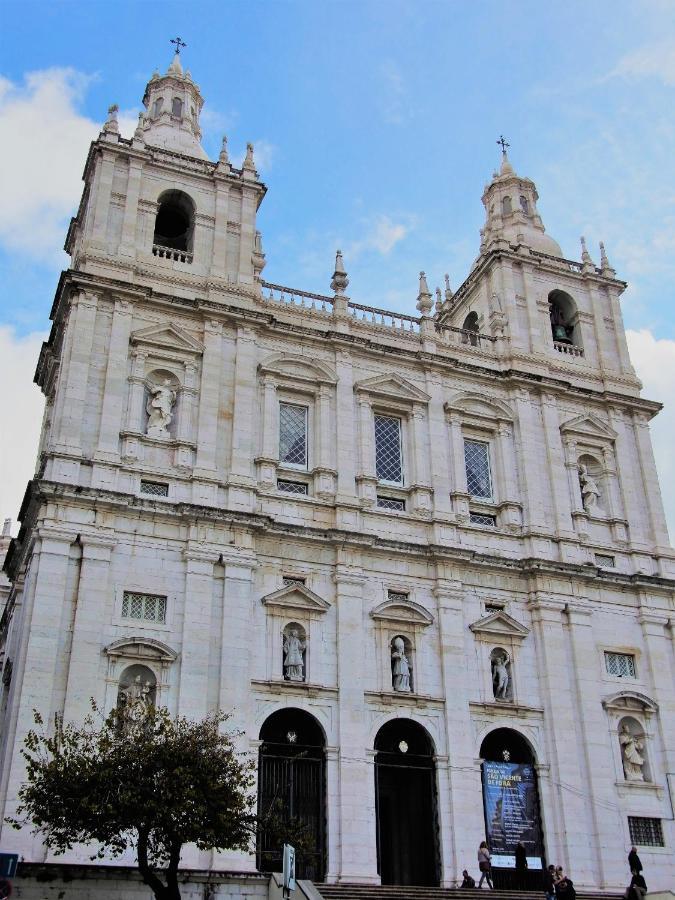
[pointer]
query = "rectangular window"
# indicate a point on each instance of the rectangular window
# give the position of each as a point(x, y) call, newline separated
point(292, 487)
point(155, 488)
point(477, 462)
point(480, 519)
point(146, 607)
point(646, 832)
point(293, 435)
point(293, 579)
point(391, 503)
point(602, 559)
point(620, 664)
point(388, 456)
point(401, 596)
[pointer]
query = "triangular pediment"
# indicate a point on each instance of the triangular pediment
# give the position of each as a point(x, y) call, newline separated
point(393, 387)
point(499, 624)
point(406, 613)
point(589, 426)
point(476, 406)
point(296, 597)
point(168, 337)
point(292, 366)
point(141, 648)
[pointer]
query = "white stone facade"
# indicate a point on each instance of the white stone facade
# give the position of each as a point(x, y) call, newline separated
point(196, 516)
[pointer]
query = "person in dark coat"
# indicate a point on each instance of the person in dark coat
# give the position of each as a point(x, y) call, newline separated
point(638, 887)
point(564, 889)
point(468, 882)
point(521, 865)
point(634, 863)
point(549, 882)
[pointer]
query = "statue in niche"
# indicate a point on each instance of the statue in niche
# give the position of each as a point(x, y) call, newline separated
point(400, 668)
point(590, 492)
point(135, 701)
point(631, 754)
point(294, 665)
point(159, 408)
point(500, 675)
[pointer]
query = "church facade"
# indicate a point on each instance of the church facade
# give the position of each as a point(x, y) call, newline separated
point(422, 559)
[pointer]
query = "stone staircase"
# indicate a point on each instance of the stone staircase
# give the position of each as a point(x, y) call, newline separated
point(396, 892)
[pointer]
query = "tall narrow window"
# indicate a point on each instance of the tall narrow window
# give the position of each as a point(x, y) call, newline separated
point(477, 462)
point(388, 456)
point(293, 435)
point(177, 107)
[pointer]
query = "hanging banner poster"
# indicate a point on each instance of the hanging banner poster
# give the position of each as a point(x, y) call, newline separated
point(511, 812)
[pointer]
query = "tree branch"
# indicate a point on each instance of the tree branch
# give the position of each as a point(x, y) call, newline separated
point(173, 892)
point(149, 877)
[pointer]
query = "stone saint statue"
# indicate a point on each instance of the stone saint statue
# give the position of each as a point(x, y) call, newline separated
point(294, 667)
point(631, 754)
point(400, 668)
point(159, 406)
point(500, 676)
point(590, 493)
point(135, 700)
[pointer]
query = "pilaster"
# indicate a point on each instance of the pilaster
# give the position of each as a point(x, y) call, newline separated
point(194, 657)
point(107, 450)
point(207, 416)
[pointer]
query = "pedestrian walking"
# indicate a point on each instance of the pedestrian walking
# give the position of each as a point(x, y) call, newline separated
point(634, 862)
point(484, 864)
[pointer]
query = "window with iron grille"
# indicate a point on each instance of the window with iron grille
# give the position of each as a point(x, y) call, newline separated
point(401, 596)
point(293, 435)
point(477, 463)
point(293, 579)
point(292, 487)
point(620, 664)
point(391, 503)
point(154, 488)
point(480, 519)
point(646, 832)
point(147, 607)
point(388, 456)
point(605, 560)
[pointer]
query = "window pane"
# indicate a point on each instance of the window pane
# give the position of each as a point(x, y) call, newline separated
point(646, 832)
point(477, 461)
point(620, 664)
point(293, 434)
point(388, 462)
point(148, 607)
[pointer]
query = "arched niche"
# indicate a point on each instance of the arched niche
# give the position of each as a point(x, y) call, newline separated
point(294, 647)
point(136, 693)
point(592, 484)
point(502, 678)
point(175, 220)
point(402, 677)
point(633, 748)
point(149, 655)
point(161, 403)
point(291, 788)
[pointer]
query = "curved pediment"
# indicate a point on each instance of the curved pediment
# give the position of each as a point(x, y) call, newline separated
point(402, 613)
point(296, 597)
point(167, 337)
point(476, 406)
point(141, 648)
point(588, 426)
point(630, 701)
point(392, 387)
point(499, 625)
point(294, 367)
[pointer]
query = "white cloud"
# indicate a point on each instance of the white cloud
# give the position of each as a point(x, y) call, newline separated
point(395, 105)
point(651, 61)
point(654, 360)
point(382, 235)
point(22, 416)
point(39, 188)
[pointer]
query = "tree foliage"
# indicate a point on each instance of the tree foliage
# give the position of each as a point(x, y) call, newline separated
point(164, 783)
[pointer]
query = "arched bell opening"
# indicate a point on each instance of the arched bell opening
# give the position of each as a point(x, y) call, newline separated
point(564, 318)
point(174, 224)
point(406, 805)
point(511, 809)
point(292, 791)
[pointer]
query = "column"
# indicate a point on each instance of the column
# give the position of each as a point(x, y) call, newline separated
point(419, 476)
point(115, 385)
point(325, 474)
point(532, 450)
point(508, 491)
point(128, 241)
point(188, 395)
point(358, 859)
point(345, 431)
point(630, 481)
point(367, 476)
point(247, 234)
point(556, 466)
point(219, 258)
point(73, 379)
point(567, 823)
point(209, 395)
point(245, 411)
point(86, 667)
point(194, 655)
point(438, 446)
point(650, 482)
point(459, 489)
point(595, 750)
point(106, 169)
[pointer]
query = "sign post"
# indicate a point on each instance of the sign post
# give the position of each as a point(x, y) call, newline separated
point(289, 869)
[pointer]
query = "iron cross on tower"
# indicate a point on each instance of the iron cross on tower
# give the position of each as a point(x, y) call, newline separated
point(503, 143)
point(179, 43)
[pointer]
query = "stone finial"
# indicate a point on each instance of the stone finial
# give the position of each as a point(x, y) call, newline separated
point(605, 267)
point(506, 168)
point(7, 528)
point(340, 282)
point(223, 157)
point(138, 134)
point(424, 297)
point(438, 306)
point(111, 124)
point(258, 256)
point(176, 67)
point(448, 290)
point(249, 162)
point(588, 264)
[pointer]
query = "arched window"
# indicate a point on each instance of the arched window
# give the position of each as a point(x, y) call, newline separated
point(295, 650)
point(157, 107)
point(506, 206)
point(564, 319)
point(632, 742)
point(174, 224)
point(177, 107)
point(470, 329)
point(524, 205)
point(401, 664)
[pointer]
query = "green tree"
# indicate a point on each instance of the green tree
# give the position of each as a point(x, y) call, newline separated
point(152, 786)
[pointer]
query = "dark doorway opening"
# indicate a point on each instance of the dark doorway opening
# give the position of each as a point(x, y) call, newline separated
point(405, 796)
point(292, 790)
point(511, 809)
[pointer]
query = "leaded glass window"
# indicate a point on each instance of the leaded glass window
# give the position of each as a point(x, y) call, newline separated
point(146, 607)
point(155, 488)
point(292, 487)
point(620, 664)
point(391, 503)
point(480, 519)
point(645, 832)
point(388, 456)
point(477, 462)
point(293, 435)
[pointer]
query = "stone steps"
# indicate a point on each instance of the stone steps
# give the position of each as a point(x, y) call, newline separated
point(404, 892)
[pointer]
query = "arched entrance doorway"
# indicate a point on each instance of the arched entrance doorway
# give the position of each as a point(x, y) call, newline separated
point(405, 796)
point(511, 808)
point(291, 788)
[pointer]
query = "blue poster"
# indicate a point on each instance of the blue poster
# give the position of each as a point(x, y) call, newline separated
point(511, 812)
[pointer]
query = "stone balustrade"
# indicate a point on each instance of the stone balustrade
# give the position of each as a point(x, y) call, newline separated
point(170, 253)
point(450, 334)
point(569, 349)
point(383, 318)
point(278, 293)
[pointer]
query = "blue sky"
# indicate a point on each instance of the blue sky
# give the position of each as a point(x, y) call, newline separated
point(375, 126)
